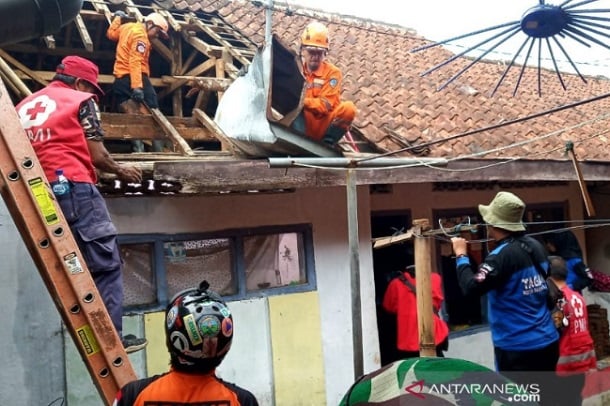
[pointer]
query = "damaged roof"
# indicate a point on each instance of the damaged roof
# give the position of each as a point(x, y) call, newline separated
point(400, 112)
point(399, 109)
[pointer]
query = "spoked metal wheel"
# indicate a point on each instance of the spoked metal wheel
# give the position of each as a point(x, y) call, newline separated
point(546, 26)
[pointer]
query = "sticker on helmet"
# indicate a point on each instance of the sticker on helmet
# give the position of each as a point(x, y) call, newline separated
point(333, 82)
point(179, 341)
point(225, 311)
point(209, 347)
point(141, 47)
point(171, 317)
point(209, 326)
point(191, 329)
point(227, 327)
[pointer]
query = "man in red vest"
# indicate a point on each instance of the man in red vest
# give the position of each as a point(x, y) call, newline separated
point(63, 124)
point(576, 347)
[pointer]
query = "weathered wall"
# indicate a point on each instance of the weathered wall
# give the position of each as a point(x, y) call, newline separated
point(31, 341)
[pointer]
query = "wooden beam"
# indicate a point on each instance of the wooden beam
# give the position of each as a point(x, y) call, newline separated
point(423, 289)
point(208, 123)
point(15, 81)
point(57, 51)
point(84, 33)
point(581, 182)
point(204, 83)
point(118, 126)
point(104, 79)
point(199, 69)
point(49, 40)
point(30, 73)
point(257, 175)
point(170, 131)
point(176, 68)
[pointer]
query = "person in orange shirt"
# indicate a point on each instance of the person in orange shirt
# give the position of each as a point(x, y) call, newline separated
point(199, 334)
point(324, 117)
point(131, 68)
point(400, 299)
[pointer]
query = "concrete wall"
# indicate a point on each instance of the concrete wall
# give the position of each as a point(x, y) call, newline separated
point(31, 342)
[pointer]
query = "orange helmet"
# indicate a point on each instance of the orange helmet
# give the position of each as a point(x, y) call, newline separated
point(159, 21)
point(315, 35)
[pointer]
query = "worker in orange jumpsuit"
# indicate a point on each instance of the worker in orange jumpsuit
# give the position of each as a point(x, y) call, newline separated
point(324, 117)
point(131, 68)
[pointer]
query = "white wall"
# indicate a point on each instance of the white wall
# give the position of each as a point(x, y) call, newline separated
point(325, 209)
point(31, 341)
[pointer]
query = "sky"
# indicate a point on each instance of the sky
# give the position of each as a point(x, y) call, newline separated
point(438, 20)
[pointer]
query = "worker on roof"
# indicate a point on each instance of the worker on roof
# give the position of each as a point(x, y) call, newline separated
point(325, 117)
point(62, 121)
point(131, 66)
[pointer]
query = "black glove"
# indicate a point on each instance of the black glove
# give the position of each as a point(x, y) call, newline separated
point(138, 94)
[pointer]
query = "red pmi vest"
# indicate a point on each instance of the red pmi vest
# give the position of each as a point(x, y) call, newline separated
point(576, 347)
point(50, 120)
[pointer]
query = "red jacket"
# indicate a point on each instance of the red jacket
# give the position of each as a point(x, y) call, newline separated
point(401, 300)
point(576, 348)
point(50, 120)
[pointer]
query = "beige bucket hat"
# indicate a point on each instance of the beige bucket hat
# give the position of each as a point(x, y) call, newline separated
point(505, 211)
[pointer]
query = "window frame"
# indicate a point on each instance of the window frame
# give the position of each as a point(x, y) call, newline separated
point(238, 267)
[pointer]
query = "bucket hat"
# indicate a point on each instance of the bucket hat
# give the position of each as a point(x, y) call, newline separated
point(80, 68)
point(505, 211)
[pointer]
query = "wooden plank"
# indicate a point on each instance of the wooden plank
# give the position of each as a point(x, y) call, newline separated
point(13, 79)
point(84, 33)
point(208, 123)
point(423, 289)
point(118, 126)
point(199, 69)
point(256, 174)
point(104, 79)
point(30, 73)
point(170, 131)
point(207, 84)
point(49, 40)
point(581, 182)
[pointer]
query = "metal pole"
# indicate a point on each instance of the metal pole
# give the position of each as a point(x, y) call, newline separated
point(354, 262)
point(268, 18)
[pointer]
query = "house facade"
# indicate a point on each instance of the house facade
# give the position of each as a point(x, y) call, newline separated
point(275, 242)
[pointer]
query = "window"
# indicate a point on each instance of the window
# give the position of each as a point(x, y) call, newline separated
point(237, 264)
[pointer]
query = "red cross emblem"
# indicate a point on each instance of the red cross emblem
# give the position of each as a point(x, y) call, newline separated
point(33, 112)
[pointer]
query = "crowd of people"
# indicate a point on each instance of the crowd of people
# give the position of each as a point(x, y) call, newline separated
point(517, 276)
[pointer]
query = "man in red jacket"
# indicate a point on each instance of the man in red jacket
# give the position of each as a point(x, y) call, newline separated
point(576, 347)
point(62, 122)
point(400, 299)
point(325, 117)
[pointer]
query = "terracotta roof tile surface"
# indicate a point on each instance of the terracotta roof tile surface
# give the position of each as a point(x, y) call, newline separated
point(397, 106)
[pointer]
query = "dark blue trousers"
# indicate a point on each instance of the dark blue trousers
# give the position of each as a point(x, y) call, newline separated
point(87, 215)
